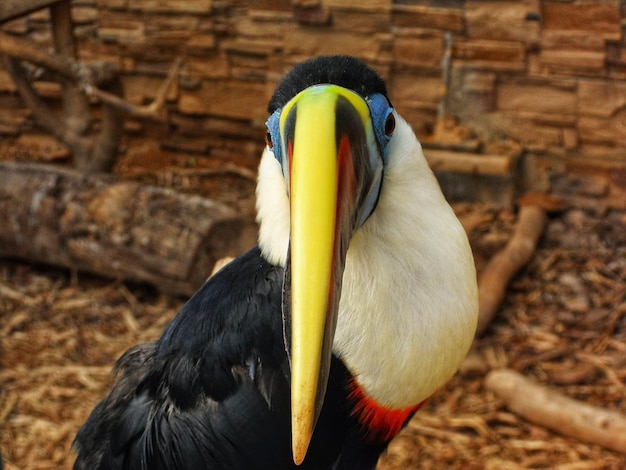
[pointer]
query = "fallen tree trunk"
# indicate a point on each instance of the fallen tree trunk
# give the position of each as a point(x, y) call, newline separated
point(562, 414)
point(118, 229)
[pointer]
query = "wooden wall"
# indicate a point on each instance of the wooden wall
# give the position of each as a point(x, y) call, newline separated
point(547, 75)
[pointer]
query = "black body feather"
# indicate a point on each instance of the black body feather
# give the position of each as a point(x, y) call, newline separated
point(213, 391)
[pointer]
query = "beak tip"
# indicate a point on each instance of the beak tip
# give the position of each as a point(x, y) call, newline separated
point(299, 452)
point(298, 459)
point(301, 438)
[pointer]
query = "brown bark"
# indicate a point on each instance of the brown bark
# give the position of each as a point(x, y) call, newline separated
point(76, 109)
point(493, 282)
point(564, 415)
point(495, 278)
point(449, 160)
point(118, 229)
point(94, 74)
point(10, 9)
point(93, 152)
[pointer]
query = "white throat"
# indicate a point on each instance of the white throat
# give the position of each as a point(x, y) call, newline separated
point(409, 301)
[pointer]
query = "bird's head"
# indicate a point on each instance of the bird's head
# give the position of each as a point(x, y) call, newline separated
point(328, 132)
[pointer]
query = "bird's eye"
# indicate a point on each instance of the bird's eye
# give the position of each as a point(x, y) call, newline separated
point(390, 125)
point(268, 140)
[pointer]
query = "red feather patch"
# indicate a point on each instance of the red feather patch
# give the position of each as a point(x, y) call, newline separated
point(381, 424)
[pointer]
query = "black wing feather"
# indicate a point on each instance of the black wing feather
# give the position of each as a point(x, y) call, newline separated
point(214, 393)
point(185, 401)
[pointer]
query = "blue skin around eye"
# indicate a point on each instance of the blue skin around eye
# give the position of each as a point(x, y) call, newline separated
point(380, 109)
point(273, 126)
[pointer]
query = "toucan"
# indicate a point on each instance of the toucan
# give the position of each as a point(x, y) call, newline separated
point(313, 349)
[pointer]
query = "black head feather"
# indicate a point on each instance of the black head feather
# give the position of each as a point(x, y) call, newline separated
point(344, 71)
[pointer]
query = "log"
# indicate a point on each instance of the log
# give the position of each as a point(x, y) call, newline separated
point(541, 405)
point(464, 162)
point(115, 228)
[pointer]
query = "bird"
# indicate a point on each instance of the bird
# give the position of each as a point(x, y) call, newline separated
point(313, 349)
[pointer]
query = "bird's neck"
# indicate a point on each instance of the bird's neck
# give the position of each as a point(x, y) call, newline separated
point(408, 307)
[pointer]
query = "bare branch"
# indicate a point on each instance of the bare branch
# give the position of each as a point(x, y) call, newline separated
point(495, 278)
point(41, 111)
point(546, 407)
point(22, 49)
point(154, 110)
point(75, 105)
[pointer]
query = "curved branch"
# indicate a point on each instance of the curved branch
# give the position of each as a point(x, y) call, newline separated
point(152, 110)
point(13, 46)
point(43, 114)
point(493, 282)
point(100, 80)
point(546, 407)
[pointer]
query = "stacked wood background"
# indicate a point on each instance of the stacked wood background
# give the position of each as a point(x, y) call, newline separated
point(546, 74)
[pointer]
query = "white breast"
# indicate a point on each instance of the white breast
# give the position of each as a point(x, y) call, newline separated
point(409, 302)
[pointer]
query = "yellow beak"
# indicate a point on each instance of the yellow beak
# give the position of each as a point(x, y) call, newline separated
point(328, 139)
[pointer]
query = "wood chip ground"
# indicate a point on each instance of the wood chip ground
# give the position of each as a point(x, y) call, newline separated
point(563, 324)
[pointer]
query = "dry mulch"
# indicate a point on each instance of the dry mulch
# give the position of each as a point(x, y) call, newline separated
point(563, 324)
